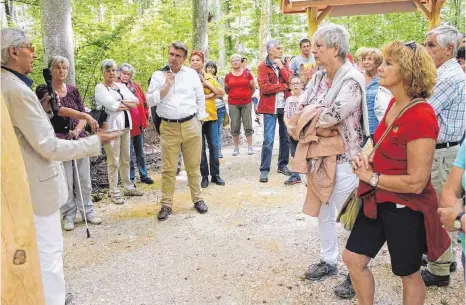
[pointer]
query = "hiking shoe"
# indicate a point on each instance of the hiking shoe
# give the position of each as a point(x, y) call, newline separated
point(453, 265)
point(264, 178)
point(235, 151)
point(117, 200)
point(220, 155)
point(95, 220)
point(250, 150)
point(132, 192)
point(201, 207)
point(147, 180)
point(293, 180)
point(345, 289)
point(285, 171)
point(431, 279)
point(164, 212)
point(318, 271)
point(68, 225)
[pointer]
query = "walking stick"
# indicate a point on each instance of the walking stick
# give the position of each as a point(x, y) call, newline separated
point(81, 195)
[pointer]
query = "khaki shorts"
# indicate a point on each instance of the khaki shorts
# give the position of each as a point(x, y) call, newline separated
point(240, 113)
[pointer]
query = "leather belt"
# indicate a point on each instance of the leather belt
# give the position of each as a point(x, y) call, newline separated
point(446, 145)
point(182, 120)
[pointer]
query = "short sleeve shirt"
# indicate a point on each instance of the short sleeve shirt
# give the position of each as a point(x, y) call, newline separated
point(239, 88)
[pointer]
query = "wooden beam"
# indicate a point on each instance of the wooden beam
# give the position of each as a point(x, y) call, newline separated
point(436, 6)
point(324, 13)
point(312, 15)
point(324, 3)
point(422, 8)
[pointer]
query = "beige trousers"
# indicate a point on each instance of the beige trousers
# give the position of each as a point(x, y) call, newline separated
point(443, 161)
point(188, 137)
point(118, 158)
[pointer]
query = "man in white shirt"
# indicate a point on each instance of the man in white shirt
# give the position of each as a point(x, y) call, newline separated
point(178, 93)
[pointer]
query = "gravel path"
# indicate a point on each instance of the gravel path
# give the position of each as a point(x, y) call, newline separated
point(252, 247)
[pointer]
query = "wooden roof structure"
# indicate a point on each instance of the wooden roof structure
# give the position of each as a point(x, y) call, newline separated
point(318, 10)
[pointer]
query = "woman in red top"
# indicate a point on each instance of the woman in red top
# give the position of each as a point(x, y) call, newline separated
point(240, 86)
point(402, 208)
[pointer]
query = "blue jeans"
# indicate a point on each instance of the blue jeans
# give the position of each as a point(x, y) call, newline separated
point(210, 134)
point(221, 118)
point(270, 121)
point(137, 147)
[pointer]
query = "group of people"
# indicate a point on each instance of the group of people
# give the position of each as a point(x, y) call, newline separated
point(407, 99)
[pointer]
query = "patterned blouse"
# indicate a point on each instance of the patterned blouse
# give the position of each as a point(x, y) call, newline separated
point(344, 112)
point(72, 100)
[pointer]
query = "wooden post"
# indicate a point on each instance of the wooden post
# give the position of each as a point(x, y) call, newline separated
point(312, 15)
point(435, 7)
point(21, 280)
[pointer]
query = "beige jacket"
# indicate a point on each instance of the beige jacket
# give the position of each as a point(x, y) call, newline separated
point(315, 156)
point(40, 148)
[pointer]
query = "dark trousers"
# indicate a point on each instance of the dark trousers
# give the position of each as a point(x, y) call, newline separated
point(210, 134)
point(270, 121)
point(137, 151)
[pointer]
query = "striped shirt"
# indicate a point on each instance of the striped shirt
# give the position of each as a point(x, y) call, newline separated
point(449, 102)
point(371, 93)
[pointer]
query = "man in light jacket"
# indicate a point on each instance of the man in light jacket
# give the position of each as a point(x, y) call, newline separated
point(41, 151)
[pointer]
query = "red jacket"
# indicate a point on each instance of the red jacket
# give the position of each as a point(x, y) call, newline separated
point(139, 114)
point(269, 85)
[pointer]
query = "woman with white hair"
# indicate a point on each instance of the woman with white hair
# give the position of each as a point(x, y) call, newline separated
point(239, 85)
point(340, 92)
point(117, 101)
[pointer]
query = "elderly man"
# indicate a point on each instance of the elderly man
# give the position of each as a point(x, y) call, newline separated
point(178, 93)
point(41, 151)
point(139, 116)
point(448, 101)
point(273, 77)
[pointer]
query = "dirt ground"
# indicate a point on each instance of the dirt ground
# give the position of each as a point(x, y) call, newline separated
point(252, 247)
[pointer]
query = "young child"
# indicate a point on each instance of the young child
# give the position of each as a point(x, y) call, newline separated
point(291, 106)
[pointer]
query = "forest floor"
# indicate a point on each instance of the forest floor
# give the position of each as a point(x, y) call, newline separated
point(252, 247)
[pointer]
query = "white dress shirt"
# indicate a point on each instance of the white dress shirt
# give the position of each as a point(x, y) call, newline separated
point(111, 100)
point(185, 97)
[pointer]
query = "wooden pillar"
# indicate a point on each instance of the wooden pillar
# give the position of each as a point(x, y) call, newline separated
point(435, 7)
point(21, 280)
point(312, 20)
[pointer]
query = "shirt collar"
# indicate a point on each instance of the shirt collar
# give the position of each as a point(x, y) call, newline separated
point(447, 66)
point(22, 77)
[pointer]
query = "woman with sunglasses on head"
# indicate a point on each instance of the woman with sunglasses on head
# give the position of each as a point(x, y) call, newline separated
point(117, 100)
point(400, 204)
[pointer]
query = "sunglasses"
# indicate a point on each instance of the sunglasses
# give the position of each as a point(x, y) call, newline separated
point(412, 46)
point(27, 46)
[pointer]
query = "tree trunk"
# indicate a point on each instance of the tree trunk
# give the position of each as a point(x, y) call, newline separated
point(229, 45)
point(264, 28)
point(221, 35)
point(57, 32)
point(200, 14)
point(21, 280)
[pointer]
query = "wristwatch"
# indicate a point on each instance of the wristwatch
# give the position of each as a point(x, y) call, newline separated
point(374, 179)
point(457, 222)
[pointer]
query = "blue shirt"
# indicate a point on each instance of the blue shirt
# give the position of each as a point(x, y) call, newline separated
point(461, 163)
point(371, 93)
point(22, 77)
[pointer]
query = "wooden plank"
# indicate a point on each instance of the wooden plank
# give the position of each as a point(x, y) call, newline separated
point(321, 4)
point(325, 13)
point(372, 9)
point(21, 280)
point(422, 8)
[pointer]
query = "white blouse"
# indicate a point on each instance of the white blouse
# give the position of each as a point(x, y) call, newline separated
point(111, 99)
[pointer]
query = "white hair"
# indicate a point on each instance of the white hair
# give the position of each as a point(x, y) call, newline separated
point(334, 36)
point(57, 59)
point(235, 56)
point(127, 67)
point(446, 35)
point(108, 63)
point(272, 44)
point(11, 38)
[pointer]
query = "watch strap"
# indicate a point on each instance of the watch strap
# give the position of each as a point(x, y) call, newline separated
point(460, 214)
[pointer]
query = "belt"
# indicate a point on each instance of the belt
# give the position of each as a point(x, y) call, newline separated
point(182, 120)
point(446, 145)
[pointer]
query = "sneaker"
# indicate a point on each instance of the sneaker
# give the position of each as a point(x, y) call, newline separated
point(147, 180)
point(117, 200)
point(319, 271)
point(235, 151)
point(431, 279)
point(345, 290)
point(453, 265)
point(220, 155)
point(68, 225)
point(293, 180)
point(201, 207)
point(164, 212)
point(132, 192)
point(285, 171)
point(264, 178)
point(95, 220)
point(250, 150)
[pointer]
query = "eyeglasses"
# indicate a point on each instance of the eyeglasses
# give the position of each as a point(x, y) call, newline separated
point(27, 46)
point(412, 45)
point(296, 84)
